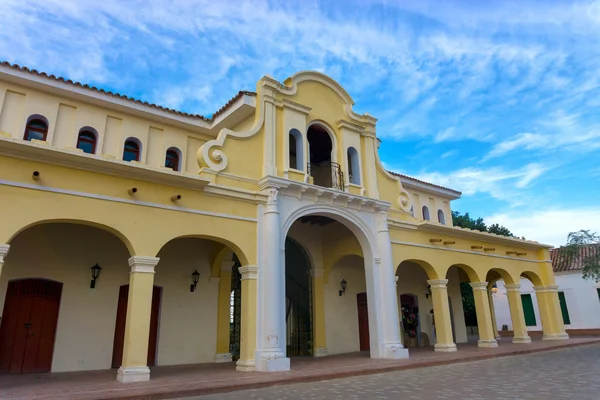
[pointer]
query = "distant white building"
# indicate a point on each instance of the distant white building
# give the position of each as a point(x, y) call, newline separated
point(579, 298)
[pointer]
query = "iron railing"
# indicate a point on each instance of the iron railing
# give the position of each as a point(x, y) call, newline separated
point(327, 174)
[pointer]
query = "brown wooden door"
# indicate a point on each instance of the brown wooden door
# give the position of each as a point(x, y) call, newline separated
point(119, 338)
point(28, 326)
point(363, 322)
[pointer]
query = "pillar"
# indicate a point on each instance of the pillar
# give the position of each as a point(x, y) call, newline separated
point(248, 318)
point(441, 314)
point(493, 313)
point(3, 252)
point(487, 335)
point(391, 344)
point(134, 366)
point(224, 304)
point(319, 333)
point(520, 335)
point(271, 354)
point(550, 313)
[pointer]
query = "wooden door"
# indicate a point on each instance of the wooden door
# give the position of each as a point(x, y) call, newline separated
point(119, 338)
point(363, 322)
point(29, 324)
point(528, 310)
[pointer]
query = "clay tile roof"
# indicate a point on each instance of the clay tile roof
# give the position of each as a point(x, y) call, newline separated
point(145, 103)
point(561, 262)
point(420, 181)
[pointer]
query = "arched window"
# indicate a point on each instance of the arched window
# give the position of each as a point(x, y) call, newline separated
point(441, 217)
point(353, 167)
point(37, 128)
point(426, 213)
point(172, 159)
point(86, 140)
point(131, 152)
point(296, 150)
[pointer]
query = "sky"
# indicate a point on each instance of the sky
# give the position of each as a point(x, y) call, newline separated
point(497, 99)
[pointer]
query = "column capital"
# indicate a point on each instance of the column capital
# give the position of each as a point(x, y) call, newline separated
point(249, 272)
point(513, 287)
point(438, 283)
point(479, 286)
point(547, 288)
point(3, 251)
point(143, 264)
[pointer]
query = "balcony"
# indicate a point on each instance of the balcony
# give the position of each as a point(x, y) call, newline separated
point(327, 174)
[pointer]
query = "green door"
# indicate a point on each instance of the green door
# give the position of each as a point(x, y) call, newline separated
point(528, 310)
point(563, 308)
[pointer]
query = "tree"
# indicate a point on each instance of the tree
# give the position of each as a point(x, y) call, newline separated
point(590, 260)
point(466, 221)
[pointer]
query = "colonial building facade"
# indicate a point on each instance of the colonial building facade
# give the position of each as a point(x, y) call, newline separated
point(134, 235)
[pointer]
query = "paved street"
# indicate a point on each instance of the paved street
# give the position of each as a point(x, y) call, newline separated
point(561, 374)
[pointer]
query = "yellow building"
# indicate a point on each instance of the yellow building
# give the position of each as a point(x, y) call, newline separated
point(132, 235)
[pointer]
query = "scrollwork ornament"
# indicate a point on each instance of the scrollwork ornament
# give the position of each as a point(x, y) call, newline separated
point(272, 197)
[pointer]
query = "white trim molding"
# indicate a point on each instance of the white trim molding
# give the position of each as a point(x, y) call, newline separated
point(143, 264)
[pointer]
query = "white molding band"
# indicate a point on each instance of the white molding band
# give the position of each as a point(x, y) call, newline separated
point(133, 374)
point(438, 283)
point(482, 286)
point(546, 289)
point(249, 272)
point(121, 200)
point(4, 248)
point(426, 246)
point(513, 287)
point(143, 264)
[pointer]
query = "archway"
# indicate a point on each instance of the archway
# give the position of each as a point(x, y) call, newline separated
point(66, 252)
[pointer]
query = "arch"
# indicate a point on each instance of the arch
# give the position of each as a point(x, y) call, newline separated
point(215, 270)
point(495, 274)
point(107, 228)
point(426, 216)
point(429, 270)
point(173, 158)
point(36, 128)
point(232, 246)
point(296, 150)
point(533, 277)
point(441, 217)
point(329, 129)
point(87, 140)
point(471, 273)
point(353, 166)
point(132, 150)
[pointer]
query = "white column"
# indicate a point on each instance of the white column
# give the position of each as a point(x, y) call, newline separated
point(391, 346)
point(271, 355)
point(3, 252)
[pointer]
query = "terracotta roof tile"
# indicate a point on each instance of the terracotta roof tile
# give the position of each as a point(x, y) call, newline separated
point(561, 262)
point(145, 103)
point(420, 181)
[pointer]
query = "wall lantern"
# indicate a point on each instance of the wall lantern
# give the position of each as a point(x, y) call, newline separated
point(428, 292)
point(494, 288)
point(344, 285)
point(95, 274)
point(195, 277)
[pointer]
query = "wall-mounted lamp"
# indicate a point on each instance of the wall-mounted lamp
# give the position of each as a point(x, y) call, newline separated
point(494, 288)
point(176, 197)
point(95, 274)
point(428, 292)
point(36, 175)
point(195, 277)
point(132, 191)
point(344, 285)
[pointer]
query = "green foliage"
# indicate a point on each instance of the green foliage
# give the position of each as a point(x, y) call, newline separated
point(466, 221)
point(468, 301)
point(590, 261)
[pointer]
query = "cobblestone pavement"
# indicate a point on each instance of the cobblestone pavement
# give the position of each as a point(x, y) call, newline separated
point(561, 374)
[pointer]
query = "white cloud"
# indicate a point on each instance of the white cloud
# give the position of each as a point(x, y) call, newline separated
point(550, 226)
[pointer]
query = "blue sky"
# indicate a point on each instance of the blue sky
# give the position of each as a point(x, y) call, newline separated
point(498, 99)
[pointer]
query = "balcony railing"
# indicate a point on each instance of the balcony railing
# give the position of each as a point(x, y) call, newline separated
point(327, 174)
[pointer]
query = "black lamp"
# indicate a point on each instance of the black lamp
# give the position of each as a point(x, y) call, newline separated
point(344, 285)
point(195, 277)
point(95, 274)
point(428, 292)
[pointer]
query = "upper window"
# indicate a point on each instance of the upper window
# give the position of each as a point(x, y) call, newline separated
point(426, 213)
point(172, 159)
point(441, 217)
point(131, 152)
point(296, 150)
point(86, 141)
point(36, 128)
point(353, 167)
